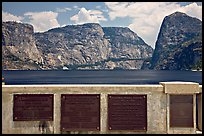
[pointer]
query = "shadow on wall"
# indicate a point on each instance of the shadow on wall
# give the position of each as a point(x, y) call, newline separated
point(44, 127)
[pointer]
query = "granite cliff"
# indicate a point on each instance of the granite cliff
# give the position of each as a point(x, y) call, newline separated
point(179, 44)
point(90, 46)
point(19, 50)
point(87, 46)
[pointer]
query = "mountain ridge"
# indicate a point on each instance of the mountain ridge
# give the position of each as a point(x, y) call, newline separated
point(90, 46)
point(77, 46)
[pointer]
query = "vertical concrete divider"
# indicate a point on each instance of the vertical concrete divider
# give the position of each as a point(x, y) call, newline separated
point(167, 114)
point(57, 113)
point(103, 114)
point(200, 108)
point(194, 112)
point(6, 113)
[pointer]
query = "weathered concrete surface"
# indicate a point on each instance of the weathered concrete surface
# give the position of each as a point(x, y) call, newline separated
point(157, 111)
point(57, 113)
point(180, 87)
point(200, 89)
point(200, 111)
point(182, 131)
point(18, 127)
point(200, 108)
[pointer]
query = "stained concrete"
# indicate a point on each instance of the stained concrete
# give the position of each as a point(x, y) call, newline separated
point(157, 107)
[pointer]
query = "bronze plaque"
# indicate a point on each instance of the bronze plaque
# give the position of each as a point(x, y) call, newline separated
point(127, 112)
point(80, 112)
point(181, 110)
point(33, 107)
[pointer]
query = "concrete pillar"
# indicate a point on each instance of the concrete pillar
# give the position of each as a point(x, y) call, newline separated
point(103, 113)
point(57, 113)
point(7, 115)
point(200, 111)
point(167, 114)
point(194, 112)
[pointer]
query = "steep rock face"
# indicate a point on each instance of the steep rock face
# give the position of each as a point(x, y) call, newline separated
point(190, 57)
point(72, 45)
point(175, 43)
point(90, 46)
point(18, 47)
point(126, 44)
point(87, 46)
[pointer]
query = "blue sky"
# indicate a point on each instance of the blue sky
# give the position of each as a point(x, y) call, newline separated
point(144, 18)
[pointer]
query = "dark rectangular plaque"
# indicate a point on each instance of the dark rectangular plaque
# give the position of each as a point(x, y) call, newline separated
point(80, 112)
point(127, 112)
point(33, 107)
point(181, 110)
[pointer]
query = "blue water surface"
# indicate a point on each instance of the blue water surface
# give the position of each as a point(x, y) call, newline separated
point(19, 77)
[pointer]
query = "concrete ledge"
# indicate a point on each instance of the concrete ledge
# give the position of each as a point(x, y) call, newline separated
point(198, 132)
point(182, 131)
point(81, 88)
point(180, 87)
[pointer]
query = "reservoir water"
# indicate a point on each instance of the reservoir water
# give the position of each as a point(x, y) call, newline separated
point(134, 77)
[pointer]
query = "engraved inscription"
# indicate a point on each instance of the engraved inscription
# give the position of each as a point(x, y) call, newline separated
point(80, 112)
point(127, 112)
point(33, 107)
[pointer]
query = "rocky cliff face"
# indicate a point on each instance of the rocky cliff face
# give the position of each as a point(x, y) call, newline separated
point(126, 44)
point(72, 45)
point(19, 50)
point(179, 43)
point(87, 46)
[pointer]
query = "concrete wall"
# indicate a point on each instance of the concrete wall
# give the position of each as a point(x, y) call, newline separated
point(157, 103)
point(200, 109)
point(181, 88)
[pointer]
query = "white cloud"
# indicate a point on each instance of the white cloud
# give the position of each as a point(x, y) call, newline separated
point(68, 9)
point(63, 9)
point(42, 21)
point(192, 10)
point(88, 16)
point(10, 17)
point(97, 12)
point(98, 7)
point(76, 7)
point(148, 16)
point(64, 25)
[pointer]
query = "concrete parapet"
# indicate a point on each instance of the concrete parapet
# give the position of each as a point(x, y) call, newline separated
point(157, 106)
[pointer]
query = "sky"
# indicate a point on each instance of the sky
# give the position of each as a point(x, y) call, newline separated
point(144, 18)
